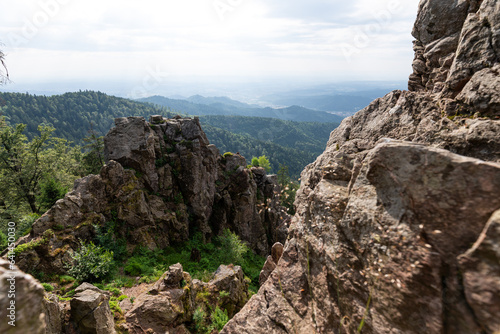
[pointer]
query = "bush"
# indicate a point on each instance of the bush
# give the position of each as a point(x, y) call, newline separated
point(219, 318)
point(48, 287)
point(3, 241)
point(91, 263)
point(51, 190)
point(233, 247)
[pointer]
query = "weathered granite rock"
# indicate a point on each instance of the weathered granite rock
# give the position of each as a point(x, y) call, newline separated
point(394, 239)
point(382, 235)
point(90, 311)
point(167, 307)
point(131, 143)
point(480, 267)
point(167, 181)
point(171, 279)
point(53, 314)
point(271, 262)
point(21, 302)
point(456, 53)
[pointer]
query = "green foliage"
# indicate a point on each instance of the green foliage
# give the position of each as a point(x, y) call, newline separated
point(3, 241)
point(65, 279)
point(91, 263)
point(199, 316)
point(264, 163)
point(93, 158)
point(114, 305)
point(219, 318)
point(51, 190)
point(48, 287)
point(46, 236)
point(122, 297)
point(108, 237)
point(234, 248)
point(24, 165)
point(227, 154)
point(261, 161)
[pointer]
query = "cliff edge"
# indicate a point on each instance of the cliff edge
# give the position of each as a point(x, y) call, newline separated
point(397, 225)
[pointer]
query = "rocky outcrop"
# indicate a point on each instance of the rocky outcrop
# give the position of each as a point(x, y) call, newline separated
point(170, 303)
point(90, 312)
point(21, 301)
point(457, 50)
point(396, 224)
point(271, 262)
point(163, 182)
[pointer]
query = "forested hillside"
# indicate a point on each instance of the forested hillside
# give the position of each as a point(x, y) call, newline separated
point(303, 136)
point(294, 144)
point(232, 108)
point(72, 113)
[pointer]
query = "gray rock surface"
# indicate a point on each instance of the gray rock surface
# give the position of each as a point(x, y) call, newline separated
point(386, 216)
point(90, 312)
point(167, 307)
point(26, 313)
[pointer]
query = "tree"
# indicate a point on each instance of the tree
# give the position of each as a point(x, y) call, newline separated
point(261, 161)
point(93, 159)
point(25, 164)
point(4, 74)
point(264, 163)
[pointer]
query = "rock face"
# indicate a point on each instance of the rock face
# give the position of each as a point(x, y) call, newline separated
point(396, 228)
point(90, 311)
point(457, 51)
point(163, 181)
point(21, 302)
point(172, 300)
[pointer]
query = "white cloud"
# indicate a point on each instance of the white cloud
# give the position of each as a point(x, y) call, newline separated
point(119, 39)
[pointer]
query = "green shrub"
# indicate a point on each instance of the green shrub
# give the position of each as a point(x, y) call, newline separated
point(233, 247)
point(115, 291)
point(227, 154)
point(115, 306)
point(199, 320)
point(51, 190)
point(91, 262)
point(65, 279)
point(122, 297)
point(219, 318)
point(48, 287)
point(3, 241)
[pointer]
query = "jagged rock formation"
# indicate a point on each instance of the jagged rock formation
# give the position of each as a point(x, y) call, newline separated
point(90, 312)
point(400, 235)
point(456, 57)
point(21, 302)
point(168, 305)
point(162, 182)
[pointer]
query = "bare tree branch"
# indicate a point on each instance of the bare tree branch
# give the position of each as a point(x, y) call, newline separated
point(4, 75)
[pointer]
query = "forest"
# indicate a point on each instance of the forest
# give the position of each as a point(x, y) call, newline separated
point(73, 115)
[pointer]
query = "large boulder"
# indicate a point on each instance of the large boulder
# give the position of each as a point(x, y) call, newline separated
point(386, 252)
point(399, 235)
point(21, 301)
point(90, 312)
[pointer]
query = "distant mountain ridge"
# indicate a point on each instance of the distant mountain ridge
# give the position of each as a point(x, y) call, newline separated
point(225, 106)
point(295, 144)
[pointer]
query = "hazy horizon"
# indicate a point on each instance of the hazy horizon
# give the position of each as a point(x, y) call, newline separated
point(229, 48)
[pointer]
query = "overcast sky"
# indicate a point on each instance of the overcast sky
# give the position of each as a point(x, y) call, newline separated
point(146, 41)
